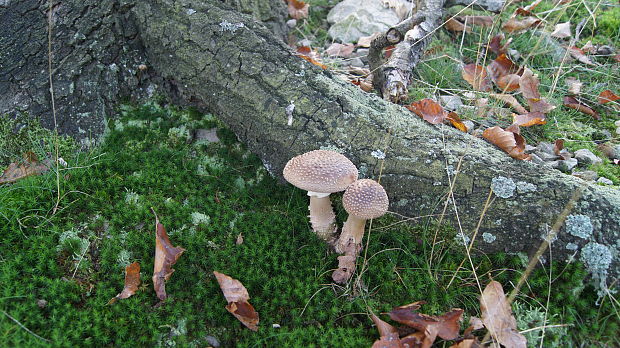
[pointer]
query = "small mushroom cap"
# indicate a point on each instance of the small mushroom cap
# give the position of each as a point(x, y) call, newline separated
point(320, 171)
point(365, 199)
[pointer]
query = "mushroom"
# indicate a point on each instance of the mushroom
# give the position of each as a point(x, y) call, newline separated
point(321, 172)
point(364, 199)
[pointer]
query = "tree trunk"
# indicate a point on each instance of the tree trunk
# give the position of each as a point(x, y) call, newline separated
point(206, 54)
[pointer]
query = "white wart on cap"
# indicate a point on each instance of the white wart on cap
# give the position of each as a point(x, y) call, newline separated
point(365, 199)
point(320, 171)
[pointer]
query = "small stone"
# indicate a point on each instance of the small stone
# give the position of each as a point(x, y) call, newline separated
point(586, 157)
point(587, 175)
point(450, 102)
point(304, 42)
point(41, 303)
point(536, 159)
point(529, 148)
point(546, 147)
point(362, 52)
point(545, 156)
point(206, 135)
point(356, 62)
point(514, 54)
point(291, 23)
point(612, 151)
point(275, 326)
point(605, 50)
point(567, 165)
point(603, 180)
point(470, 126)
point(213, 342)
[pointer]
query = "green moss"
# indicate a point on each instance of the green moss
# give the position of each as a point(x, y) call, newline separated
point(609, 22)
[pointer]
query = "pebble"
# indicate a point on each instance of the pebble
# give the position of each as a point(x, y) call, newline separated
point(291, 23)
point(536, 159)
point(356, 62)
point(604, 180)
point(470, 126)
point(612, 151)
point(585, 157)
point(564, 165)
point(588, 175)
point(451, 102)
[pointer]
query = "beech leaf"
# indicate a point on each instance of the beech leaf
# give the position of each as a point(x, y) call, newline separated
point(429, 110)
point(445, 326)
point(562, 31)
point(310, 55)
point(497, 317)
point(237, 296)
point(388, 334)
point(514, 25)
point(502, 66)
point(30, 166)
point(132, 281)
point(477, 76)
point(510, 100)
point(166, 256)
point(512, 143)
point(573, 103)
point(540, 105)
point(456, 121)
point(297, 9)
point(580, 55)
point(529, 119)
point(495, 44)
point(340, 50)
point(607, 96)
point(452, 24)
point(508, 83)
point(529, 85)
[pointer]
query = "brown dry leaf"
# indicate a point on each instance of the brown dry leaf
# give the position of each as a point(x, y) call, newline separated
point(239, 240)
point(540, 105)
point(588, 48)
point(237, 296)
point(529, 85)
point(514, 25)
point(573, 103)
point(132, 281)
point(388, 334)
point(445, 326)
point(510, 100)
point(495, 44)
point(483, 21)
point(166, 256)
point(574, 85)
point(30, 166)
point(497, 317)
point(475, 323)
point(580, 55)
point(607, 96)
point(508, 83)
point(454, 25)
point(466, 343)
point(429, 110)
point(617, 58)
point(310, 55)
point(297, 9)
point(529, 119)
point(562, 31)
point(477, 76)
point(365, 41)
point(511, 143)
point(456, 121)
point(558, 149)
point(502, 66)
point(340, 50)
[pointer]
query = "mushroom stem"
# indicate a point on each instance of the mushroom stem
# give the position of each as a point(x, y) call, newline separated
point(322, 217)
point(352, 234)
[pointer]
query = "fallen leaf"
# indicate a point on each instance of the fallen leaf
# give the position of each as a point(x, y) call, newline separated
point(475, 323)
point(452, 24)
point(588, 48)
point(574, 85)
point(297, 9)
point(30, 166)
point(237, 296)
point(477, 76)
point(388, 334)
point(562, 31)
point(495, 44)
point(365, 41)
point(446, 326)
point(429, 110)
point(512, 143)
point(340, 50)
point(502, 66)
point(483, 21)
point(497, 317)
point(529, 85)
point(580, 55)
point(466, 343)
point(617, 58)
point(166, 256)
point(239, 240)
point(559, 150)
point(607, 96)
point(540, 105)
point(132, 281)
point(573, 103)
point(510, 100)
point(456, 121)
point(529, 119)
point(508, 83)
point(310, 55)
point(514, 25)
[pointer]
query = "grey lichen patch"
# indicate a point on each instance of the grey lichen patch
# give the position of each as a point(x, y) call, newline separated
point(503, 187)
point(572, 246)
point(525, 187)
point(462, 239)
point(579, 226)
point(232, 27)
point(332, 148)
point(200, 218)
point(596, 257)
point(378, 154)
point(488, 237)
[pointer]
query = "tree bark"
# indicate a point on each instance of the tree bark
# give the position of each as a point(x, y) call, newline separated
point(218, 59)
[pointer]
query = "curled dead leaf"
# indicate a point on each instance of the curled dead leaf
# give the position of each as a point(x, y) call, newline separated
point(483, 21)
point(573, 103)
point(429, 110)
point(237, 296)
point(529, 85)
point(580, 55)
point(452, 24)
point(310, 55)
point(562, 31)
point(502, 66)
point(514, 25)
point(497, 317)
point(477, 76)
point(540, 105)
point(132, 281)
point(30, 166)
point(607, 96)
point(456, 121)
point(529, 119)
point(297, 9)
point(512, 143)
point(445, 326)
point(166, 256)
point(495, 44)
point(508, 83)
point(510, 100)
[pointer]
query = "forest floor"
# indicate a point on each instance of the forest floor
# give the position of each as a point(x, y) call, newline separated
point(68, 234)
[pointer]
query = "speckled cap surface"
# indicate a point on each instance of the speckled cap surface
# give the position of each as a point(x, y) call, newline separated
point(365, 199)
point(320, 171)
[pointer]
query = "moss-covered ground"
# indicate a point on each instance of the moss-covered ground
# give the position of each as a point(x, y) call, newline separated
point(60, 267)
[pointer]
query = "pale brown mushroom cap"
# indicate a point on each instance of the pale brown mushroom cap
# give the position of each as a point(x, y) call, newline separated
point(365, 199)
point(320, 171)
